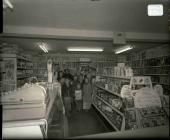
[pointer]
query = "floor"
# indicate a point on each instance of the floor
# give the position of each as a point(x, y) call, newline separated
point(85, 123)
point(78, 124)
point(55, 128)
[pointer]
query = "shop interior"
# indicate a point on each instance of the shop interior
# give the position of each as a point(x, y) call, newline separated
point(85, 69)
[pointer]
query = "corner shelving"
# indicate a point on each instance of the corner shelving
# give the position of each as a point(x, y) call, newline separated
point(16, 70)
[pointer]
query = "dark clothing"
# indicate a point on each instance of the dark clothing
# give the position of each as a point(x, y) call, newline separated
point(68, 76)
point(87, 96)
point(67, 91)
point(67, 105)
point(67, 94)
point(79, 105)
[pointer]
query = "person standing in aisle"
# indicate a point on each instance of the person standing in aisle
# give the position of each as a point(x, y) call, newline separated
point(60, 74)
point(66, 94)
point(80, 80)
point(74, 85)
point(67, 74)
point(78, 97)
point(93, 83)
point(87, 94)
point(55, 77)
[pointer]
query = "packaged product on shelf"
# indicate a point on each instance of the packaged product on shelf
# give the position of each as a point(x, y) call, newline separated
point(106, 108)
point(122, 72)
point(121, 65)
point(128, 72)
point(117, 103)
point(146, 97)
point(130, 120)
point(106, 86)
point(158, 89)
point(165, 102)
point(126, 91)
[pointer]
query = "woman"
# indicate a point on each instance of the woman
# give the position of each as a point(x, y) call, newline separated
point(87, 94)
point(67, 96)
point(80, 80)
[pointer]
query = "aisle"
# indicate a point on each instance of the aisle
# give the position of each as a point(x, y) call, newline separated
point(85, 123)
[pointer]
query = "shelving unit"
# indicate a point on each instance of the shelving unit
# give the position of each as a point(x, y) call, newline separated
point(108, 90)
point(156, 66)
point(113, 115)
point(116, 77)
point(105, 117)
point(109, 105)
point(74, 62)
point(16, 70)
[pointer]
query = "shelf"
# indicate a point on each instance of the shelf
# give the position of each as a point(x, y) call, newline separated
point(108, 90)
point(40, 68)
point(21, 68)
point(105, 117)
point(110, 105)
point(109, 76)
point(161, 83)
point(156, 74)
point(23, 77)
point(142, 67)
point(148, 58)
point(41, 74)
point(22, 58)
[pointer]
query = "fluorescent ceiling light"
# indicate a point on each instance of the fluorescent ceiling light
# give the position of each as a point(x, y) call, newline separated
point(79, 49)
point(155, 10)
point(43, 47)
point(123, 49)
point(6, 4)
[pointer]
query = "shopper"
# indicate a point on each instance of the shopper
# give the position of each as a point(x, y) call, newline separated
point(61, 80)
point(55, 77)
point(75, 82)
point(78, 97)
point(60, 74)
point(93, 83)
point(80, 80)
point(67, 74)
point(67, 98)
point(87, 94)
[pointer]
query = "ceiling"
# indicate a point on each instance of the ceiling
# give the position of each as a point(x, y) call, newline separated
point(93, 21)
point(114, 15)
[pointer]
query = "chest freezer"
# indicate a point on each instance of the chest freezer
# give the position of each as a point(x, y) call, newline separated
point(28, 102)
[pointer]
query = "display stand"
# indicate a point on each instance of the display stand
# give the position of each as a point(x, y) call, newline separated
point(107, 102)
point(134, 114)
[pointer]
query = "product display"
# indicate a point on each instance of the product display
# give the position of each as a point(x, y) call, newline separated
point(156, 66)
point(114, 118)
point(138, 102)
point(118, 71)
point(112, 84)
point(109, 98)
point(17, 69)
point(131, 120)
